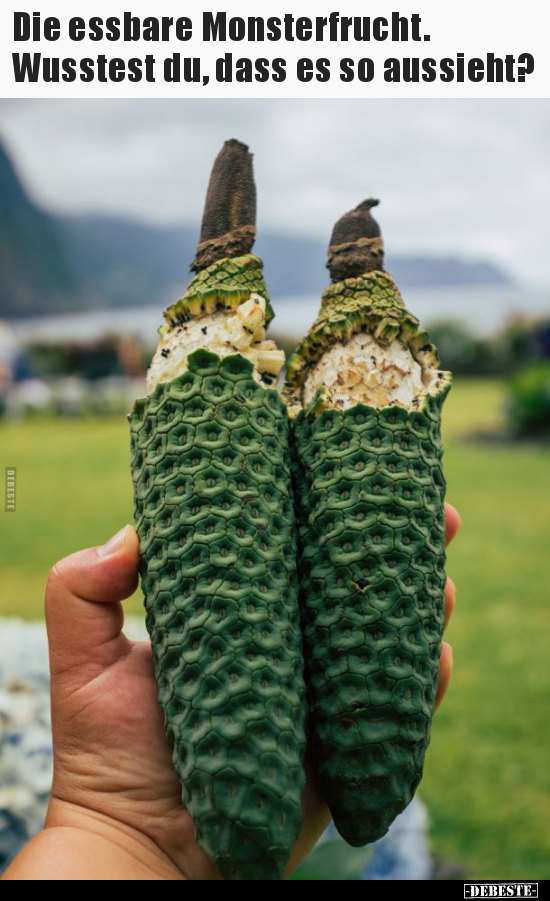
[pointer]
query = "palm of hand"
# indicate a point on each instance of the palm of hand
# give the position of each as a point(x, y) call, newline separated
point(115, 752)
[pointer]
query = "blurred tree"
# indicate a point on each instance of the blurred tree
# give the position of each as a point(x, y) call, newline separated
point(462, 352)
point(528, 404)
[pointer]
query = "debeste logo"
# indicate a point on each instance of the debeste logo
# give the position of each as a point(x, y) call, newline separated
point(10, 490)
point(501, 889)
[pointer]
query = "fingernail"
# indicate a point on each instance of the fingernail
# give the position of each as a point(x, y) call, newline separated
point(115, 544)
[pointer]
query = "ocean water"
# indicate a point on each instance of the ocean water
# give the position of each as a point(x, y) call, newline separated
point(481, 309)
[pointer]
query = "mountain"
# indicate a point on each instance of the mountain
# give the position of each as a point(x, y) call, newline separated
point(127, 263)
point(55, 263)
point(447, 272)
point(36, 271)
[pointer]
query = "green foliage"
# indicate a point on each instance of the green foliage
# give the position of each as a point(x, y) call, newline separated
point(522, 340)
point(334, 861)
point(528, 404)
point(462, 352)
point(49, 358)
point(89, 360)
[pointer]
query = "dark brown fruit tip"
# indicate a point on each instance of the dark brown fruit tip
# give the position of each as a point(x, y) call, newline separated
point(356, 244)
point(229, 217)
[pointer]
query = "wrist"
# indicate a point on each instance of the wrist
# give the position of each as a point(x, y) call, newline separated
point(78, 843)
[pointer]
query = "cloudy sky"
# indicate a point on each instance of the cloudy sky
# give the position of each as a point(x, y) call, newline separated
point(459, 177)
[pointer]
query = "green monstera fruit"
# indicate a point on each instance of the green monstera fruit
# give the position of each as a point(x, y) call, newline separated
point(365, 393)
point(215, 518)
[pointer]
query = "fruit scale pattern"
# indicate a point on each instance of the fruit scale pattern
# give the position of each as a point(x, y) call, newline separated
point(370, 500)
point(215, 518)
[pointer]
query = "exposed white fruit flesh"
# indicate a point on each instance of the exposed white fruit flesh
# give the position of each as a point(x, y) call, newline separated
point(364, 371)
point(241, 332)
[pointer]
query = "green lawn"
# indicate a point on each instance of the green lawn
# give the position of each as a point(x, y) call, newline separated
point(486, 781)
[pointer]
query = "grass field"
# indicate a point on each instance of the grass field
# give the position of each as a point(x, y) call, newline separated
point(486, 781)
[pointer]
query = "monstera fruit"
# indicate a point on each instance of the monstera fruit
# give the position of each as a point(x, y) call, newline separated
point(215, 518)
point(365, 394)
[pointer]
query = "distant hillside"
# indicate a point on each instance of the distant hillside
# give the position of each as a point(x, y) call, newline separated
point(58, 263)
point(444, 272)
point(36, 272)
point(130, 264)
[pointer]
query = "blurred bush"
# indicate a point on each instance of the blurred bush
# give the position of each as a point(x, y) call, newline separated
point(462, 352)
point(105, 357)
point(522, 340)
point(528, 405)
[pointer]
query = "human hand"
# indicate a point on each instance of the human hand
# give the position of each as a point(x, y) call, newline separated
point(452, 525)
point(115, 794)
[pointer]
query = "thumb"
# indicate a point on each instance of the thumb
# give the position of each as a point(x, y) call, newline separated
point(84, 618)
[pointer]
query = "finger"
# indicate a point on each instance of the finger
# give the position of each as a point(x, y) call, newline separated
point(450, 600)
point(445, 670)
point(83, 616)
point(452, 523)
point(316, 818)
